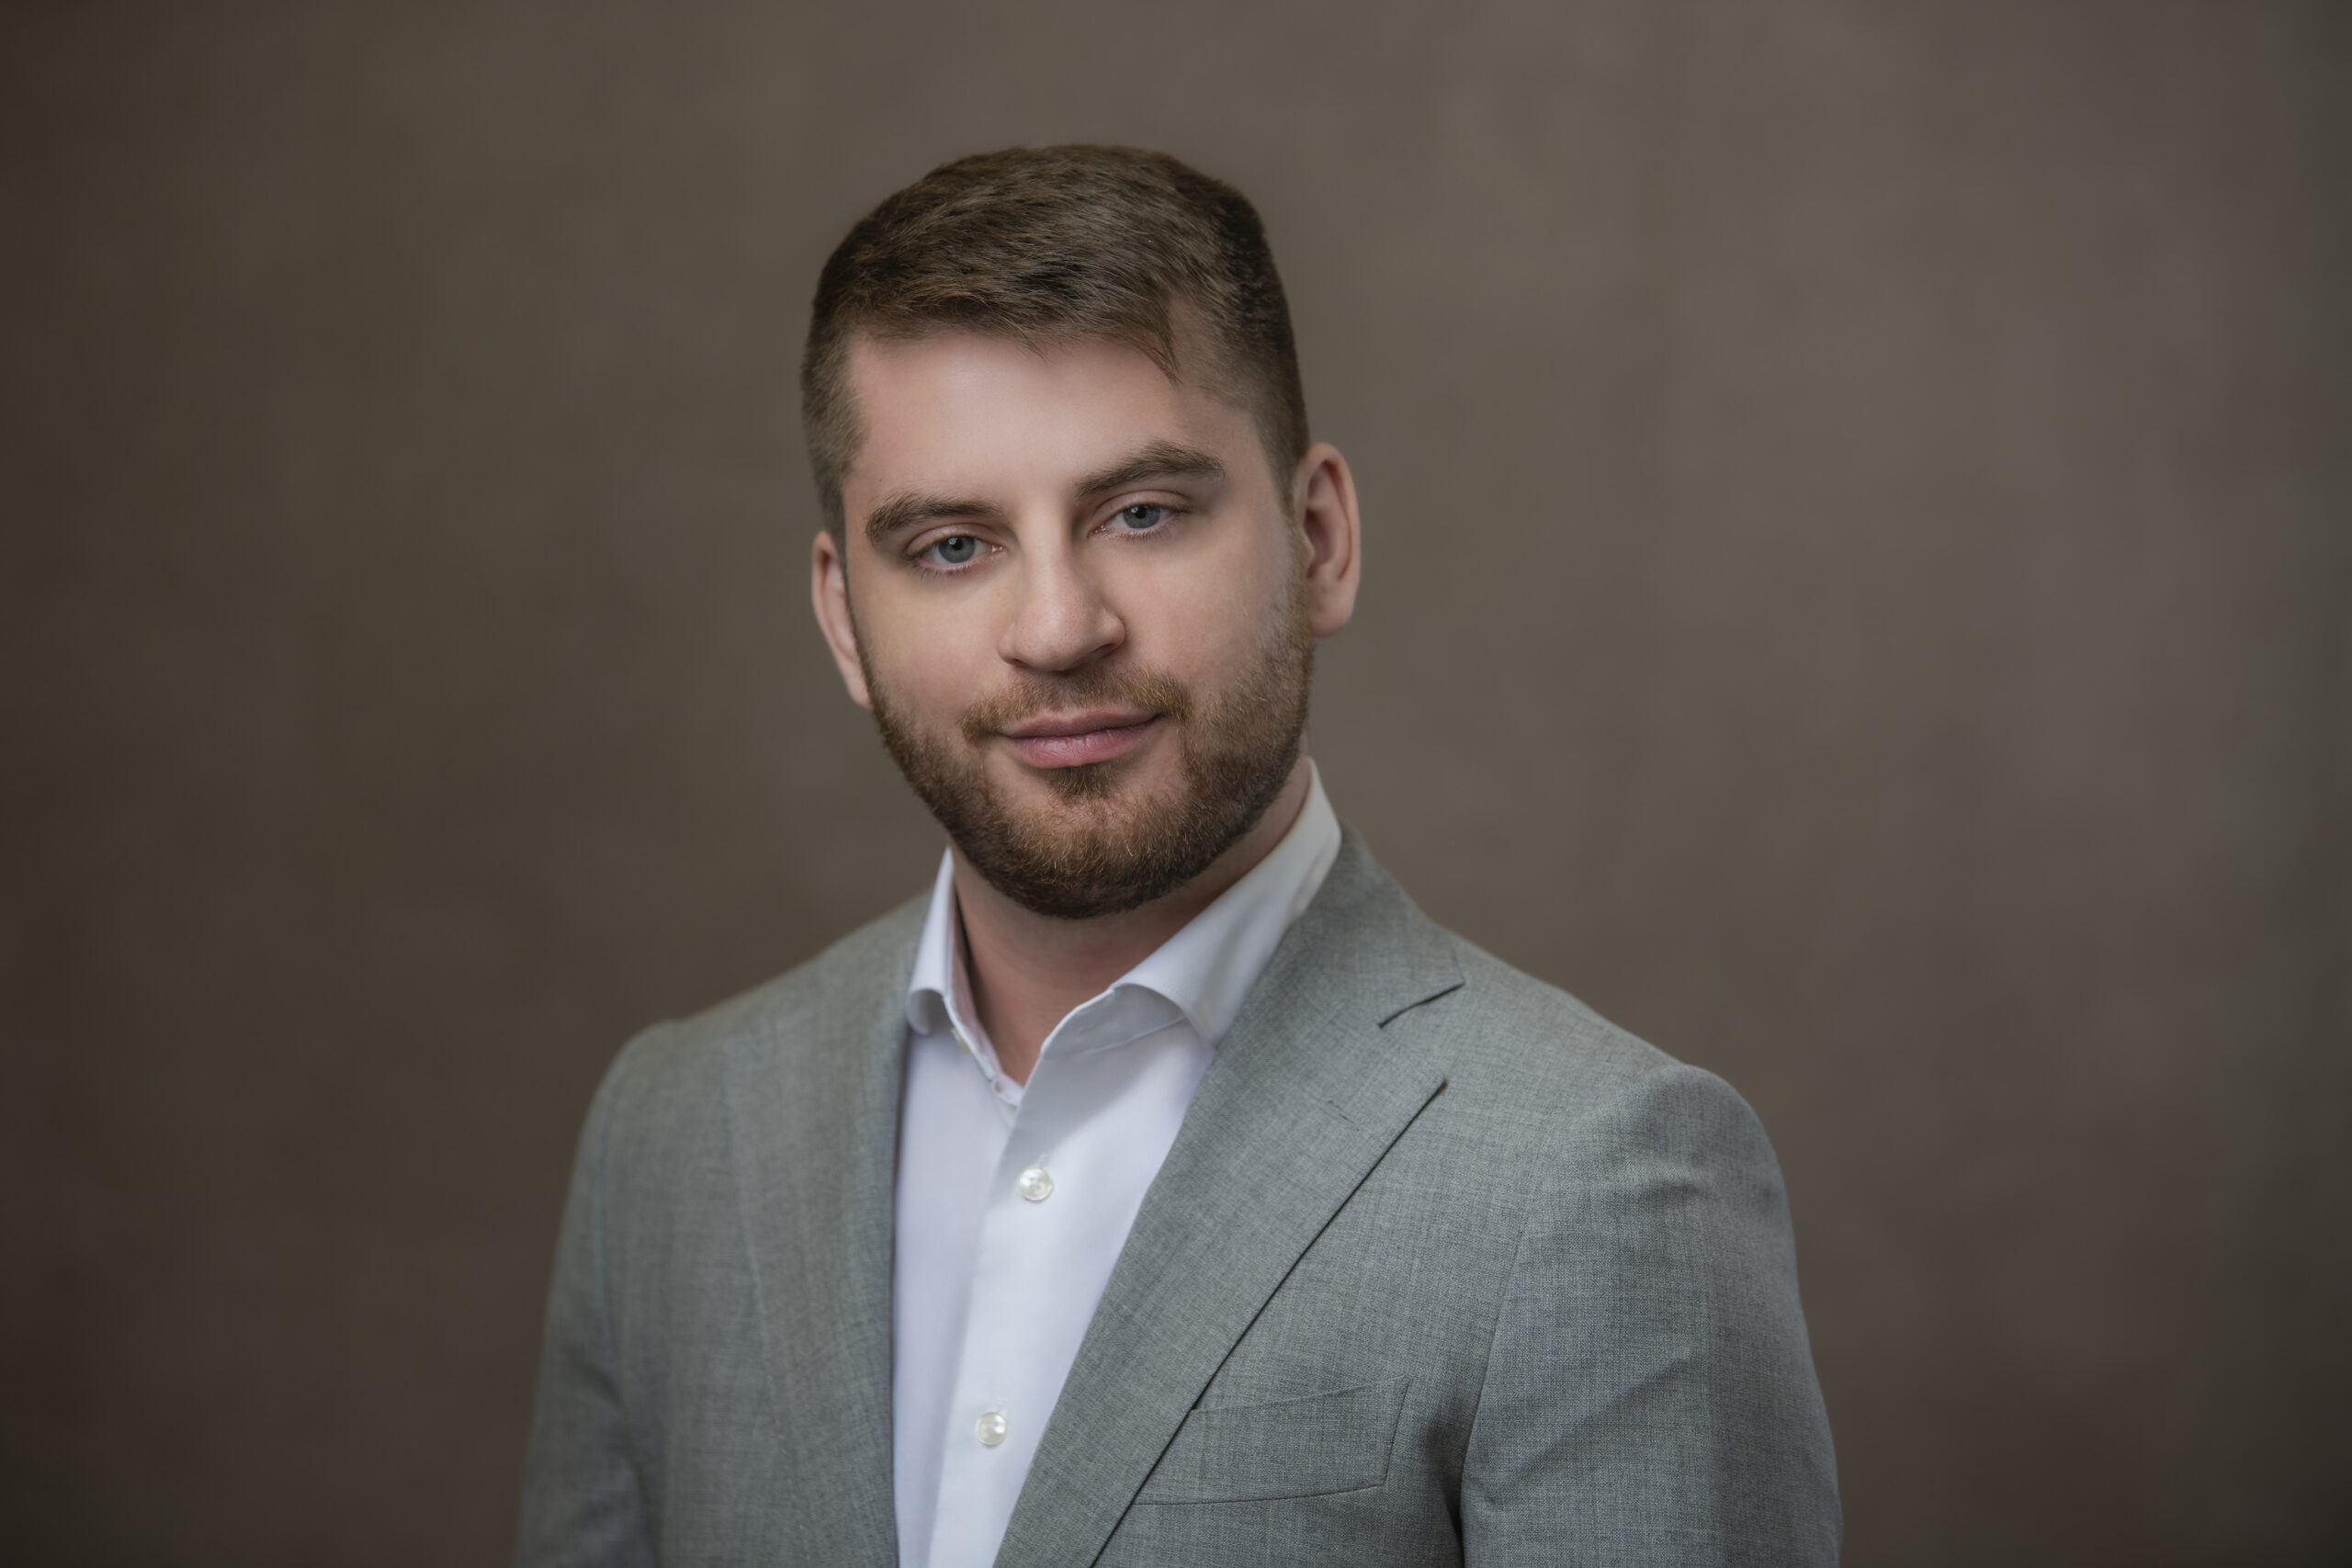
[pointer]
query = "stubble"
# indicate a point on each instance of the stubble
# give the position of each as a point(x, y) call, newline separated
point(1104, 844)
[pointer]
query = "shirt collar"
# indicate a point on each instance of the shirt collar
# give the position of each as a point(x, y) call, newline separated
point(1208, 967)
point(936, 969)
point(1205, 970)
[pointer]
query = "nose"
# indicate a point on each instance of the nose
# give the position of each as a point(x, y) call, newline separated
point(1061, 621)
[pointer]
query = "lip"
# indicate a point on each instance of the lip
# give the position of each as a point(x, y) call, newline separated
point(1073, 739)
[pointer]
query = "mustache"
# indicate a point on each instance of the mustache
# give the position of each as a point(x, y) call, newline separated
point(1154, 691)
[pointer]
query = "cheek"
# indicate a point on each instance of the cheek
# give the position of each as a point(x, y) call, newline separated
point(926, 657)
point(1216, 616)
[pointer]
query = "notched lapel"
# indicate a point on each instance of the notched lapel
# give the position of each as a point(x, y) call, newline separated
point(814, 1125)
point(1306, 1093)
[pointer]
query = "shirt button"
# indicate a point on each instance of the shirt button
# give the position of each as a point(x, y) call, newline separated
point(989, 1429)
point(1034, 1184)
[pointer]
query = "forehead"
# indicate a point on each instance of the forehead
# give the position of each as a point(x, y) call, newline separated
point(978, 412)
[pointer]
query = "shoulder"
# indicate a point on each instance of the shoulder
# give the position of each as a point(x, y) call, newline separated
point(1525, 1027)
point(811, 1011)
point(1534, 1071)
point(1533, 1076)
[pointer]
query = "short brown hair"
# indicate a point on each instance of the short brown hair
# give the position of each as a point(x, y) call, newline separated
point(1046, 244)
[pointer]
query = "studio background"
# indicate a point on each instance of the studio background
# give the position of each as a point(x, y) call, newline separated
point(1857, 589)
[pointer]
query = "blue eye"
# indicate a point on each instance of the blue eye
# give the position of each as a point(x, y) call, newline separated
point(957, 550)
point(1143, 514)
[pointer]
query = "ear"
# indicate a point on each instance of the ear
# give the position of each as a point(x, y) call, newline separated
point(829, 595)
point(1323, 494)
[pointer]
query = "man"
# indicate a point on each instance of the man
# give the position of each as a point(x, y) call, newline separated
point(1163, 1188)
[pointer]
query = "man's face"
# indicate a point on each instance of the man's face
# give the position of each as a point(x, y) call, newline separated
point(1079, 606)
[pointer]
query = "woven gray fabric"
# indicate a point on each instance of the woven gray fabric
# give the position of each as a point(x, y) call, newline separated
point(1443, 1268)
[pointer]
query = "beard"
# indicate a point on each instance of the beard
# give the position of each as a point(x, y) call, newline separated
point(1097, 848)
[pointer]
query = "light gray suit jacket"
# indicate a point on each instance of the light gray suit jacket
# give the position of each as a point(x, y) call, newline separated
point(1443, 1268)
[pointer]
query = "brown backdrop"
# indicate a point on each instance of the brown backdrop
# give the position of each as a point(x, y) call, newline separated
point(1858, 589)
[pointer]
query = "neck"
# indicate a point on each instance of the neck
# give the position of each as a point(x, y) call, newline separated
point(1029, 970)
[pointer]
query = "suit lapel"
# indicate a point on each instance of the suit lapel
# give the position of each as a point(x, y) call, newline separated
point(813, 1119)
point(1307, 1091)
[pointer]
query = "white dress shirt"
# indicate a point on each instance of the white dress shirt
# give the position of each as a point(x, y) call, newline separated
point(1013, 1201)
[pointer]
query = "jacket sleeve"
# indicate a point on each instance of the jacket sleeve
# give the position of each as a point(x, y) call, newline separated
point(582, 1502)
point(1649, 1396)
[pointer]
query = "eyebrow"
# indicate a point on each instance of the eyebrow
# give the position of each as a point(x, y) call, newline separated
point(1160, 460)
point(906, 509)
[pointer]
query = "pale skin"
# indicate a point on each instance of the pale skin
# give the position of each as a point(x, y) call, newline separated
point(1013, 512)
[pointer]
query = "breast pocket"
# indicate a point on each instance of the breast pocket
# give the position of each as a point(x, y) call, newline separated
point(1291, 1447)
